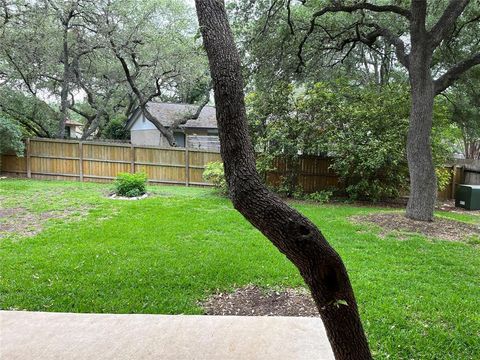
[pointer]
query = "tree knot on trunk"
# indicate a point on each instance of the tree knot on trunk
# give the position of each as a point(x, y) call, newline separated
point(297, 228)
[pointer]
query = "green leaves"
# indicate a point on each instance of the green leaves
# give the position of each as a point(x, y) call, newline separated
point(10, 137)
point(363, 128)
point(130, 185)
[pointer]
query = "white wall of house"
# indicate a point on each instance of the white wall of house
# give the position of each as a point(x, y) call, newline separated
point(143, 132)
point(146, 137)
point(141, 123)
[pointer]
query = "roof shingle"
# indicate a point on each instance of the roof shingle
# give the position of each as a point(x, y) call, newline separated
point(167, 113)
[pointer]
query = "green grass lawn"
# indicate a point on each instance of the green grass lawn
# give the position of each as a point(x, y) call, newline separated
point(419, 298)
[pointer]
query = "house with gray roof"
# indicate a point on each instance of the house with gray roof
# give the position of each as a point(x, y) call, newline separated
point(200, 133)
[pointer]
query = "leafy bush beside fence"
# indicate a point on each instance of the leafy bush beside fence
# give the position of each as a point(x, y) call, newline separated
point(130, 185)
point(214, 174)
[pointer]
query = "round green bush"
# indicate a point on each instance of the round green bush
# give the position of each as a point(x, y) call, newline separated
point(130, 185)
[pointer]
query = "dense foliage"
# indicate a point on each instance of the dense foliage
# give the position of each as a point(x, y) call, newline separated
point(116, 130)
point(10, 137)
point(130, 185)
point(464, 99)
point(363, 128)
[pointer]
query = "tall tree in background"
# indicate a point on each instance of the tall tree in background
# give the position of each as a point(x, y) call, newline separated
point(465, 100)
point(27, 63)
point(97, 61)
point(154, 59)
point(292, 233)
point(330, 32)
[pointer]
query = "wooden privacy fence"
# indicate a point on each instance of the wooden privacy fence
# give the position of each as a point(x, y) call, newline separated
point(101, 162)
point(312, 173)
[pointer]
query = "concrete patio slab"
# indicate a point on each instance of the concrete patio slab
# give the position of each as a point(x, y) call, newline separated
point(48, 336)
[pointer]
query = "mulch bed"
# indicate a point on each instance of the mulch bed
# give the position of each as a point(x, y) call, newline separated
point(254, 301)
point(444, 229)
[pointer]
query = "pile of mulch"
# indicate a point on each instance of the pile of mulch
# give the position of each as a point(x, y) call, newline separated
point(254, 301)
point(440, 228)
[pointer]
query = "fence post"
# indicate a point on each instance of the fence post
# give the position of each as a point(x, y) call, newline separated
point(29, 163)
point(132, 159)
point(454, 180)
point(80, 160)
point(187, 167)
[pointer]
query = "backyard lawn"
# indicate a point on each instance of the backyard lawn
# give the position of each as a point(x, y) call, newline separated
point(67, 247)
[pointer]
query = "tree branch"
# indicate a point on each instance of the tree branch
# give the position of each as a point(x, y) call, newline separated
point(348, 9)
point(394, 40)
point(22, 75)
point(81, 112)
point(440, 30)
point(447, 79)
point(364, 6)
point(196, 114)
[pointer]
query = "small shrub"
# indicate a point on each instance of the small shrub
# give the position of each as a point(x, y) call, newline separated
point(287, 187)
point(320, 196)
point(130, 185)
point(374, 189)
point(214, 174)
point(299, 194)
point(443, 178)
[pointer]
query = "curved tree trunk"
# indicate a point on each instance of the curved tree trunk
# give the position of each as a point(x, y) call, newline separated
point(292, 233)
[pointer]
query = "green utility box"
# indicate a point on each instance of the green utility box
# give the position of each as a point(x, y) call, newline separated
point(468, 197)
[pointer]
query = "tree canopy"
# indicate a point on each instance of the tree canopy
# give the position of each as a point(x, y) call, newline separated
point(79, 59)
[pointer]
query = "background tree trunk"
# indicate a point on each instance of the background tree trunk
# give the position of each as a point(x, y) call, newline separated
point(292, 233)
point(64, 104)
point(423, 181)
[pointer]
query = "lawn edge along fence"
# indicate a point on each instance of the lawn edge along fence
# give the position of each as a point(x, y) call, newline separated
point(56, 159)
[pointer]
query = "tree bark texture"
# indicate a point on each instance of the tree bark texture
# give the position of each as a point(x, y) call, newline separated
point(423, 181)
point(292, 233)
point(65, 84)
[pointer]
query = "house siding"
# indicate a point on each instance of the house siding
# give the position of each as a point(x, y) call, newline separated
point(146, 137)
point(143, 132)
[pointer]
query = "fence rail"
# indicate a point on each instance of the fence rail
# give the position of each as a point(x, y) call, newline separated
point(102, 161)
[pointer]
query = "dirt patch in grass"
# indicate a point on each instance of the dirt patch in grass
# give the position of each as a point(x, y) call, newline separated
point(444, 229)
point(22, 222)
point(254, 301)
